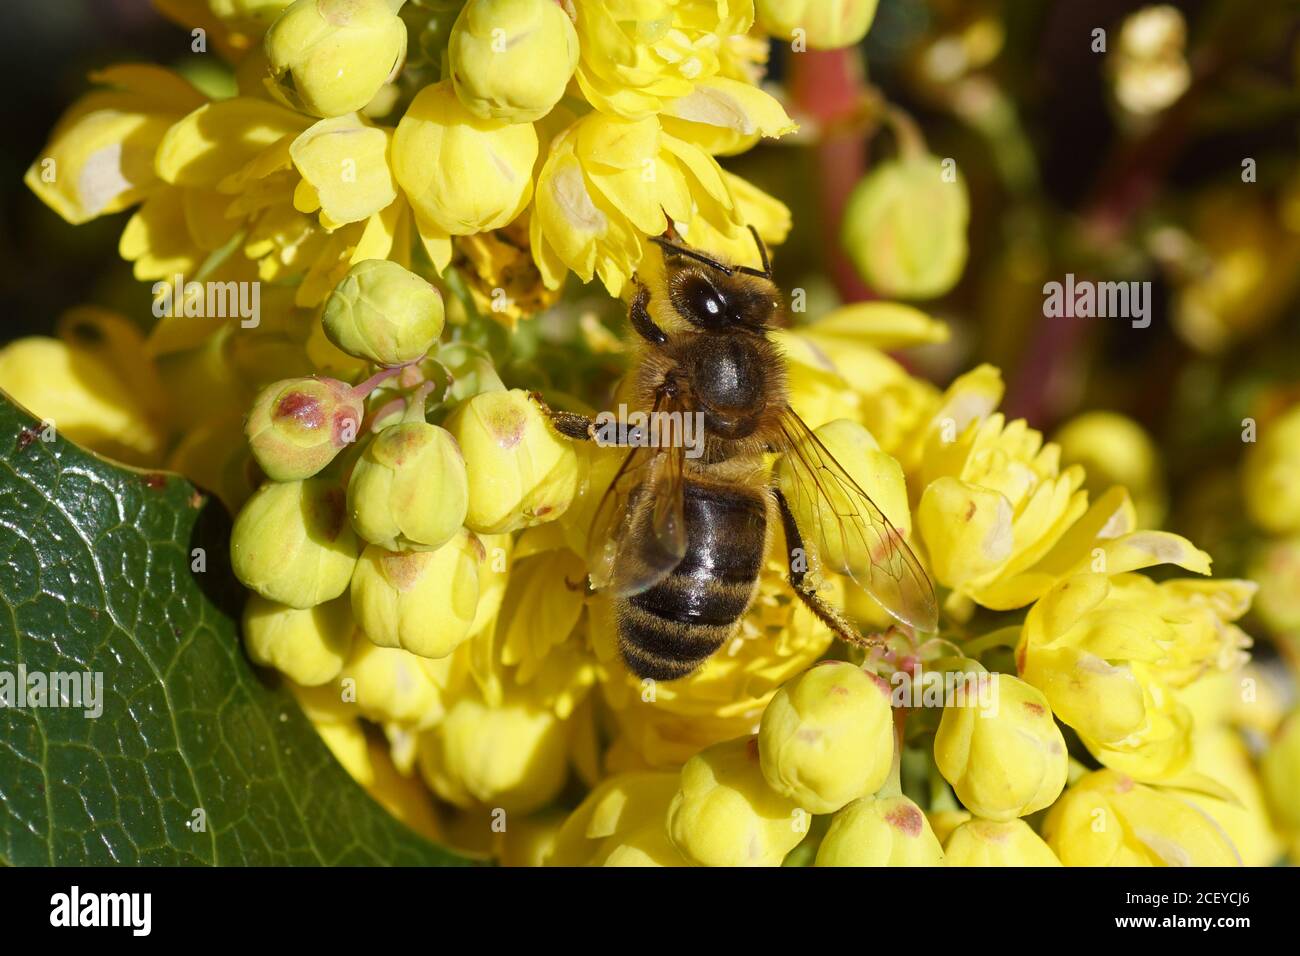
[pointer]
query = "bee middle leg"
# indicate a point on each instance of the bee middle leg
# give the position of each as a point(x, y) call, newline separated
point(826, 613)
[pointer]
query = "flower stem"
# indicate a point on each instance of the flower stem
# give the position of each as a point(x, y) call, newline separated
point(827, 86)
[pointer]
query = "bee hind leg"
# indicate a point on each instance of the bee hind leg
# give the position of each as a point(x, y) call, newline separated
point(799, 583)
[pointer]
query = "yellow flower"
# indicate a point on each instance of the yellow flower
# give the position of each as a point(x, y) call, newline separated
point(726, 815)
point(1276, 568)
point(387, 684)
point(607, 182)
point(1108, 652)
point(637, 54)
point(77, 394)
point(1005, 757)
point(838, 368)
point(905, 227)
point(1281, 773)
point(330, 57)
point(980, 842)
point(499, 271)
point(100, 158)
point(623, 819)
point(462, 174)
point(297, 426)
point(827, 737)
point(344, 167)
point(1002, 522)
point(383, 313)
point(511, 59)
point(309, 645)
point(538, 642)
point(1114, 450)
point(1149, 66)
point(1240, 805)
point(1106, 819)
point(1269, 476)
point(409, 488)
point(292, 543)
point(513, 756)
point(820, 24)
point(880, 831)
point(521, 472)
point(393, 592)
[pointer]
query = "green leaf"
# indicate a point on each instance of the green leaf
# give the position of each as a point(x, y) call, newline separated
point(95, 577)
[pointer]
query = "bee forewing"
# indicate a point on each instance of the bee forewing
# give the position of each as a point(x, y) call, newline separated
point(851, 535)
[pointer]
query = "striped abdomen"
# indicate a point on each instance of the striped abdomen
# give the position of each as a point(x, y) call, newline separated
point(671, 629)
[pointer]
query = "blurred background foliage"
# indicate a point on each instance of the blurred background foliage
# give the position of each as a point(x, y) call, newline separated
point(1171, 158)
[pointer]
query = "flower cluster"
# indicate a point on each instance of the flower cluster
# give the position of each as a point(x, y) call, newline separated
point(403, 182)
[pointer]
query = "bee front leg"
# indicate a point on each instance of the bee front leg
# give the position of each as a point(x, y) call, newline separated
point(797, 558)
point(569, 424)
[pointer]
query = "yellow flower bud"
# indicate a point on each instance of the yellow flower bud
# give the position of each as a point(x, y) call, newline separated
point(1106, 819)
point(880, 831)
point(513, 757)
point(1280, 770)
point(292, 543)
point(943, 822)
point(409, 488)
point(609, 816)
point(905, 227)
point(512, 59)
point(1115, 450)
point(463, 174)
point(309, 645)
point(421, 601)
point(991, 843)
point(1276, 568)
point(1270, 486)
point(878, 474)
point(82, 397)
point(298, 425)
point(389, 684)
point(726, 815)
point(330, 57)
point(383, 313)
point(827, 737)
point(522, 472)
point(1004, 756)
point(819, 24)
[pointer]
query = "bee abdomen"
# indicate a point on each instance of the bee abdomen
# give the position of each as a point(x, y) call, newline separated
point(670, 629)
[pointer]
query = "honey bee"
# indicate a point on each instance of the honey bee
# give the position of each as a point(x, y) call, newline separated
point(677, 541)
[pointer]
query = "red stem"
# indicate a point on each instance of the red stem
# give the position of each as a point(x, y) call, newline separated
point(827, 87)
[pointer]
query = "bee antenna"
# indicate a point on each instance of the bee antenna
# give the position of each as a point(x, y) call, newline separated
point(762, 252)
point(692, 254)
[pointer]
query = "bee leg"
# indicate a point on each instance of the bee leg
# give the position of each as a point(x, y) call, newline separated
point(639, 316)
point(798, 562)
point(568, 424)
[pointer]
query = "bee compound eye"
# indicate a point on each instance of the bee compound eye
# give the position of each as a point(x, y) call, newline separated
point(706, 304)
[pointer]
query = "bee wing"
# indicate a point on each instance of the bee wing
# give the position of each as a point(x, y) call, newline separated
point(638, 534)
point(887, 570)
